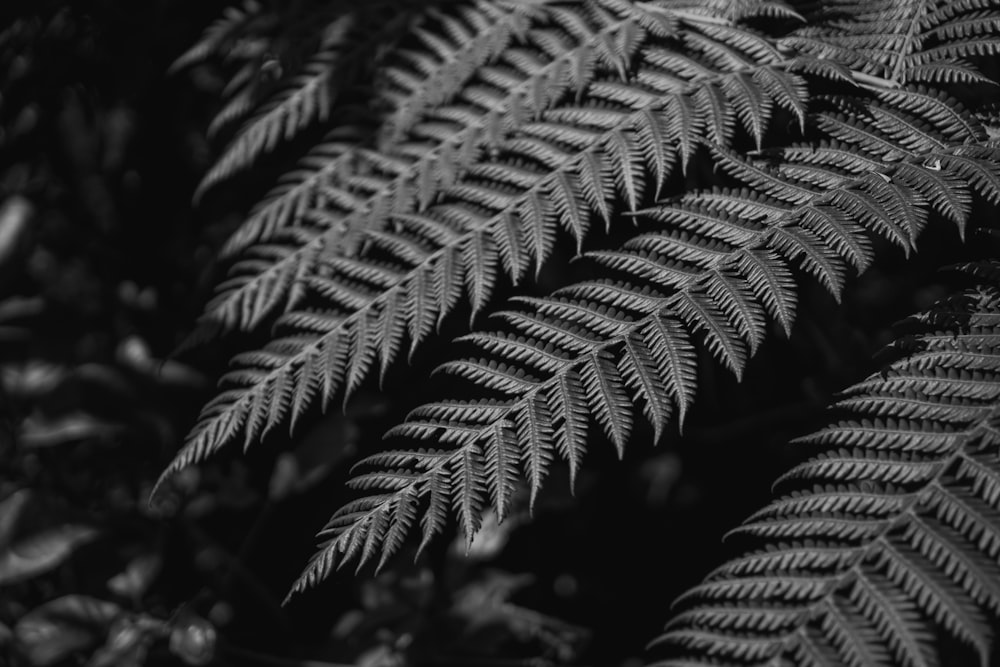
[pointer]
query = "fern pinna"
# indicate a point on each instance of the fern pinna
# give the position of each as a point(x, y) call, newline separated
point(890, 539)
point(703, 157)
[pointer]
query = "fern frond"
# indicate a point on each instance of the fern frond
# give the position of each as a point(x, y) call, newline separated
point(444, 145)
point(448, 48)
point(504, 99)
point(309, 96)
point(554, 175)
point(435, 69)
point(220, 35)
point(243, 41)
point(239, 105)
point(708, 279)
point(318, 181)
point(914, 473)
point(898, 42)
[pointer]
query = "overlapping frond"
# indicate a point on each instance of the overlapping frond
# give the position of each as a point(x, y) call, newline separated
point(335, 181)
point(464, 140)
point(349, 46)
point(433, 70)
point(889, 540)
point(243, 41)
point(555, 68)
point(220, 38)
point(557, 165)
point(901, 42)
point(592, 355)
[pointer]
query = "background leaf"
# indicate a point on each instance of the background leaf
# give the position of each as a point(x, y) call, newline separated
point(28, 553)
point(53, 631)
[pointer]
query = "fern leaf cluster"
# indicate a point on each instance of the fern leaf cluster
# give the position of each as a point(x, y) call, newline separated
point(703, 159)
point(888, 540)
point(901, 42)
point(447, 50)
point(720, 266)
point(420, 258)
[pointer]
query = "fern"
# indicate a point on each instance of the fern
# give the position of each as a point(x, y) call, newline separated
point(496, 132)
point(221, 36)
point(720, 265)
point(451, 141)
point(558, 172)
point(899, 42)
point(890, 538)
point(346, 47)
point(326, 181)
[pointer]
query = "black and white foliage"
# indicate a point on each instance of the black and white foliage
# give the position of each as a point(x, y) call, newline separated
point(466, 141)
point(888, 539)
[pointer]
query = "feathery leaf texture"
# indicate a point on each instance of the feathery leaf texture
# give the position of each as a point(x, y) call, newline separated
point(348, 47)
point(555, 174)
point(529, 110)
point(887, 541)
point(897, 42)
point(719, 267)
point(339, 176)
point(466, 140)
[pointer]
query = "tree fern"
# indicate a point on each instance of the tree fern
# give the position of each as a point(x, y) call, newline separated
point(721, 263)
point(346, 48)
point(450, 142)
point(889, 539)
point(575, 162)
point(324, 181)
point(496, 132)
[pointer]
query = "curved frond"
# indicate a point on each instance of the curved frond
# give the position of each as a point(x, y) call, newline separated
point(719, 266)
point(220, 36)
point(897, 42)
point(534, 91)
point(466, 143)
point(578, 163)
point(346, 48)
point(436, 67)
point(889, 540)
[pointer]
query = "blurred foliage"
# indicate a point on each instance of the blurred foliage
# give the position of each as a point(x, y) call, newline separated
point(103, 264)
